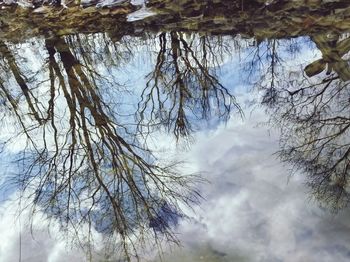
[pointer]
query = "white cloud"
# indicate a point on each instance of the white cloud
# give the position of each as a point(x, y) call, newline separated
point(253, 207)
point(36, 244)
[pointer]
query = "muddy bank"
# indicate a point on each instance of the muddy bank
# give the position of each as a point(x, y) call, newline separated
point(259, 19)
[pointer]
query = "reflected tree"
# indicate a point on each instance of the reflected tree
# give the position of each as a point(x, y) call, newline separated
point(312, 110)
point(83, 167)
point(183, 87)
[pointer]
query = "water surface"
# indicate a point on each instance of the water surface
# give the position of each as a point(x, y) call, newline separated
point(175, 131)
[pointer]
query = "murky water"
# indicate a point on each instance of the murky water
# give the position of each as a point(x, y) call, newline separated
point(175, 131)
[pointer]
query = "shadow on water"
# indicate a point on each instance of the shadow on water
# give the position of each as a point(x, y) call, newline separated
point(81, 135)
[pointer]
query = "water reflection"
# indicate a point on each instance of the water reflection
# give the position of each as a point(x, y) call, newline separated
point(82, 163)
point(183, 86)
point(312, 112)
point(81, 134)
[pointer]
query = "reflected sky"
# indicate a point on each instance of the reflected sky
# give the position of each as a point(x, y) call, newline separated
point(81, 113)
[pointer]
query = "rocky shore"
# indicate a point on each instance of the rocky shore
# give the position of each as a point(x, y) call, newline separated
point(260, 19)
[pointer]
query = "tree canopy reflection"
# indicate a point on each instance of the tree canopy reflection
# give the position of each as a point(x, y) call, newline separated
point(81, 163)
point(184, 83)
point(312, 111)
point(84, 164)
